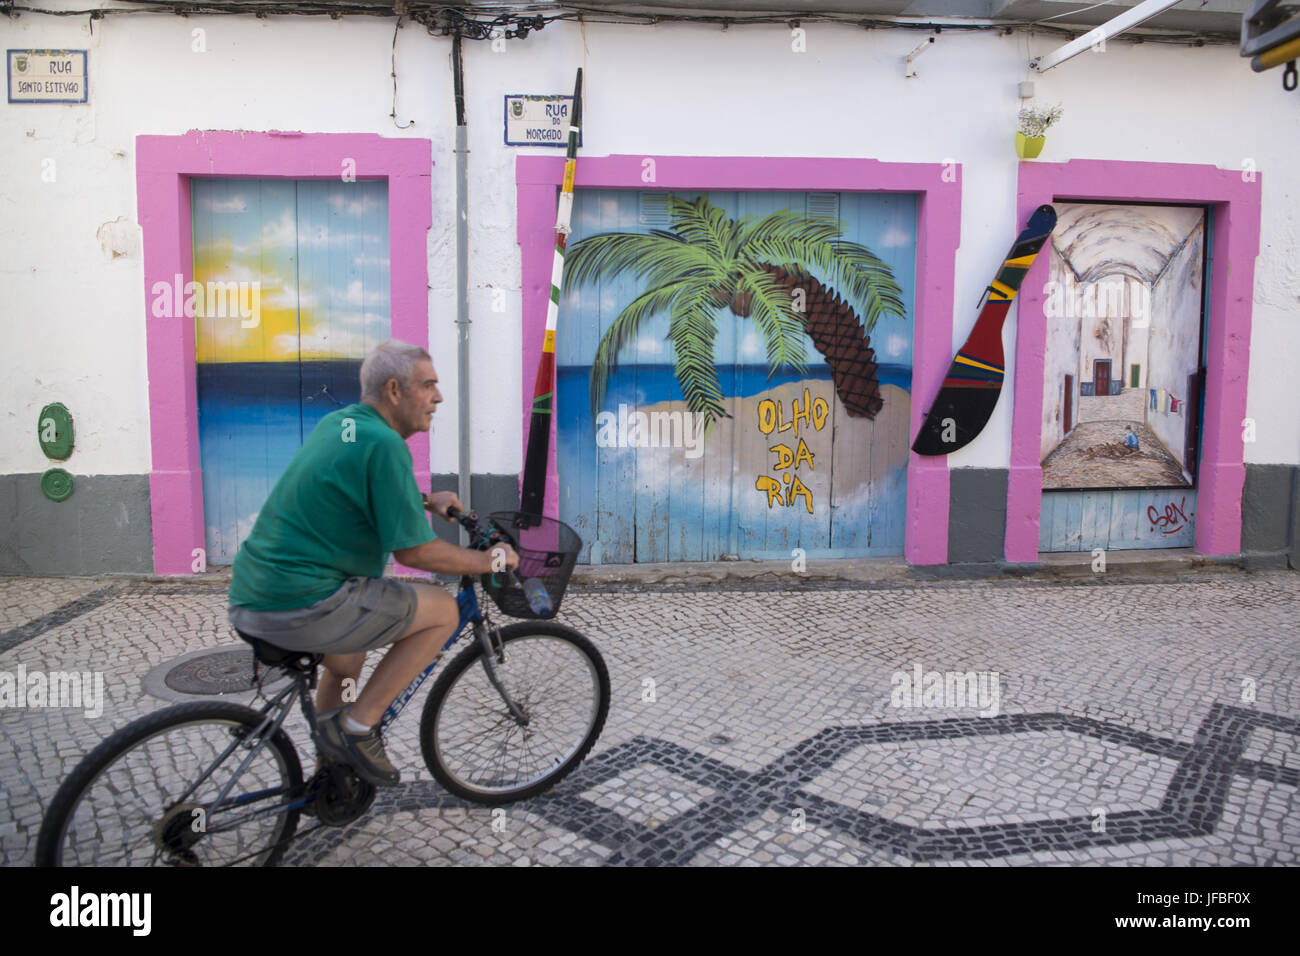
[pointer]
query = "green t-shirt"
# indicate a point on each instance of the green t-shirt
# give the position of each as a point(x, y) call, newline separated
point(346, 500)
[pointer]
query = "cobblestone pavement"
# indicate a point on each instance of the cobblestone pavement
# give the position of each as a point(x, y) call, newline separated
point(1148, 722)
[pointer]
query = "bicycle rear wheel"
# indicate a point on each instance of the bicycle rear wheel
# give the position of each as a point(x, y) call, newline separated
point(477, 750)
point(144, 797)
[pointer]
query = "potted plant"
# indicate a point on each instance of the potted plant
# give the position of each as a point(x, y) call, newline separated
point(1034, 122)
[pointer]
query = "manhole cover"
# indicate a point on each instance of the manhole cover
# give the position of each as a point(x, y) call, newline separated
point(217, 672)
point(224, 671)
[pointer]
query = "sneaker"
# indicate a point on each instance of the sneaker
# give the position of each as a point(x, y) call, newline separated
point(364, 752)
point(323, 760)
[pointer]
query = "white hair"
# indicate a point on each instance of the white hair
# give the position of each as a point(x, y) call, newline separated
point(389, 360)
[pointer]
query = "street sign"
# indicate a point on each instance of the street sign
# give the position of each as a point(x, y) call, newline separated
point(538, 120)
point(47, 76)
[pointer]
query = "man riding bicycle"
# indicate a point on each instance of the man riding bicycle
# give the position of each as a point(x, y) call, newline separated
point(310, 575)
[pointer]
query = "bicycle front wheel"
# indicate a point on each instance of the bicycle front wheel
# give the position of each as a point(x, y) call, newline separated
point(478, 750)
point(147, 796)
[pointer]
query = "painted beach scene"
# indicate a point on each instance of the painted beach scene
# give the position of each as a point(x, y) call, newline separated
point(314, 255)
point(734, 375)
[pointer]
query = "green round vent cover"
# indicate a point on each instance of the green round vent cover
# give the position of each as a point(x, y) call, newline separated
point(54, 431)
point(57, 484)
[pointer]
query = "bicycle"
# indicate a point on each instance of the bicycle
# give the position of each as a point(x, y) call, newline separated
point(493, 734)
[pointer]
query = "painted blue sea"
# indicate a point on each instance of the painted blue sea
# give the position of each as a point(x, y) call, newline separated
point(642, 385)
point(253, 418)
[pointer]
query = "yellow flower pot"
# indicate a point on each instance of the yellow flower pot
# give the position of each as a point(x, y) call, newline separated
point(1028, 147)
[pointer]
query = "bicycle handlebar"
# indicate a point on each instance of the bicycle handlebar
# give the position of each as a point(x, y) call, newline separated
point(534, 591)
point(479, 538)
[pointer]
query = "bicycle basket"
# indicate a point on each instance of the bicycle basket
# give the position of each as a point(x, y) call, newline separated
point(548, 550)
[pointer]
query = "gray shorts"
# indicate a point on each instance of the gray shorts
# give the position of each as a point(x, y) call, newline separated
point(363, 614)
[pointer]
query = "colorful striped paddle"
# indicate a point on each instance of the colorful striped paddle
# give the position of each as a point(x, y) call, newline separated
point(539, 428)
point(970, 391)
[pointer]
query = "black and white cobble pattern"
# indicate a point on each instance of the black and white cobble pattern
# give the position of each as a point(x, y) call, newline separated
point(1152, 724)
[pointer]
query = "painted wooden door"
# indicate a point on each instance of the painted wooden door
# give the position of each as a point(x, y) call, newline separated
point(1117, 519)
point(1067, 407)
point(812, 458)
point(1101, 378)
point(1193, 432)
point(308, 265)
point(1127, 290)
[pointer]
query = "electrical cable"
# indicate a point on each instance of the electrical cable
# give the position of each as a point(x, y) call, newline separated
point(393, 114)
point(517, 20)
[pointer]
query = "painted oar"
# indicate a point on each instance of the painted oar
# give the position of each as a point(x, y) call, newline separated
point(970, 391)
point(539, 428)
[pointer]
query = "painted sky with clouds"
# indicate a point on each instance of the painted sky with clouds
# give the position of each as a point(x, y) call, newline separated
point(319, 250)
point(884, 223)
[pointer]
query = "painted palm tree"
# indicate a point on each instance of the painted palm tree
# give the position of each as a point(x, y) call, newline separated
point(760, 268)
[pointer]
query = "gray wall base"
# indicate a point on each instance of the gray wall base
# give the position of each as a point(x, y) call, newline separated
point(1270, 527)
point(1294, 554)
point(104, 527)
point(488, 493)
point(1270, 517)
point(977, 517)
point(1264, 561)
point(974, 569)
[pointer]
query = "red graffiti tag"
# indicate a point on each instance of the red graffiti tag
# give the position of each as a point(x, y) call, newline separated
point(1172, 521)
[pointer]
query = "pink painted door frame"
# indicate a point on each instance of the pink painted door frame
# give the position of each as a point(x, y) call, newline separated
point(938, 191)
point(1234, 201)
point(164, 166)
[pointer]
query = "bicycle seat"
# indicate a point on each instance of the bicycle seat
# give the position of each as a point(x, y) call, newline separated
point(273, 656)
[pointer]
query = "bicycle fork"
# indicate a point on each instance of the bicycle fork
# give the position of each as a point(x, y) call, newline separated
point(489, 639)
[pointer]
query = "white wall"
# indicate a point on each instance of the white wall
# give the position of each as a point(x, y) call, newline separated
point(74, 317)
point(1173, 340)
point(1100, 336)
point(1061, 356)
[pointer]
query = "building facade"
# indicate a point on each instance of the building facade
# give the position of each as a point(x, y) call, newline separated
point(781, 235)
